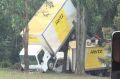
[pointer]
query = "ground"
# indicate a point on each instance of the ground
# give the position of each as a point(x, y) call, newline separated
point(13, 74)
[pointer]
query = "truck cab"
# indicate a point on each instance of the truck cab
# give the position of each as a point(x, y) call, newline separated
point(38, 58)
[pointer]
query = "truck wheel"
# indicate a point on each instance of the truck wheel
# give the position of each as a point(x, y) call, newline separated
point(50, 65)
point(21, 69)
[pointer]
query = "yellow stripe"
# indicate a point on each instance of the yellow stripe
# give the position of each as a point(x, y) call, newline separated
point(34, 39)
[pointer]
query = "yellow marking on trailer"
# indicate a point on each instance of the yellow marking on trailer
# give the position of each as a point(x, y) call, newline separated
point(92, 55)
point(34, 39)
point(44, 16)
point(61, 25)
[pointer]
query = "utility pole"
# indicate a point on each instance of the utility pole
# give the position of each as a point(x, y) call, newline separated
point(80, 40)
point(25, 37)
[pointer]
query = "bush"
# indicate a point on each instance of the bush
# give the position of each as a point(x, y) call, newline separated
point(5, 64)
point(16, 66)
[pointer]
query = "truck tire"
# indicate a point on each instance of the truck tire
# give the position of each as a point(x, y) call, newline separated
point(21, 69)
point(50, 65)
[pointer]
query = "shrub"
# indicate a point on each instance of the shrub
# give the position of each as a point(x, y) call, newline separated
point(5, 64)
point(16, 66)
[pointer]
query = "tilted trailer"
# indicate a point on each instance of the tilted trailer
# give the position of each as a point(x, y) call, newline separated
point(48, 30)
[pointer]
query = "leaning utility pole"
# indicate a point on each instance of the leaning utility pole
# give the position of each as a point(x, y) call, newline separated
point(80, 40)
point(25, 37)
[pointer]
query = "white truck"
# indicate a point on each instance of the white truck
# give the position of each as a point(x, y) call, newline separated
point(48, 30)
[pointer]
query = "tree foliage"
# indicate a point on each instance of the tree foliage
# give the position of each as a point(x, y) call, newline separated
point(12, 21)
point(99, 13)
point(117, 19)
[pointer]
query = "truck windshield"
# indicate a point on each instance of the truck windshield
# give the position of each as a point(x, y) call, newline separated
point(32, 60)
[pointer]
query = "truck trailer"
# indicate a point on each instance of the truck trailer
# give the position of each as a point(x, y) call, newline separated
point(48, 30)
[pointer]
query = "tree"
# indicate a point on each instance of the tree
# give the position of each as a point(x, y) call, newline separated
point(25, 38)
point(117, 19)
point(80, 39)
point(12, 14)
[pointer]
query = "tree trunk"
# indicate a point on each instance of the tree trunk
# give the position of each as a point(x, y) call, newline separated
point(25, 38)
point(83, 42)
point(80, 41)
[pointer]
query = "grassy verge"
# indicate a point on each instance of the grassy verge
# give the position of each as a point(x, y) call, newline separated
point(12, 74)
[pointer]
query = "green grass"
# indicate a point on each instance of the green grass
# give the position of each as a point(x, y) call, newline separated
point(12, 74)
